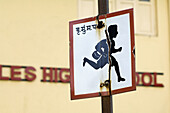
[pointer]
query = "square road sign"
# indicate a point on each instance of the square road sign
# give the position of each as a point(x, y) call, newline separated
point(89, 55)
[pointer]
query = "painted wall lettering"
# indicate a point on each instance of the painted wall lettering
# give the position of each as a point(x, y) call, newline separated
point(15, 70)
point(50, 74)
point(29, 73)
point(1, 76)
point(17, 73)
point(55, 74)
point(148, 79)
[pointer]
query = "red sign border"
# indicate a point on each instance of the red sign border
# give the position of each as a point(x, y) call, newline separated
point(97, 94)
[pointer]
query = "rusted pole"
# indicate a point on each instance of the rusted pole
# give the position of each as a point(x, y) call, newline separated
point(107, 106)
point(103, 7)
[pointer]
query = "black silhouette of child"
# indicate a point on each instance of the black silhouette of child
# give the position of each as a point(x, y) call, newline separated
point(101, 53)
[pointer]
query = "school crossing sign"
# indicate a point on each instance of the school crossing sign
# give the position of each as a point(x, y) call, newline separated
point(90, 53)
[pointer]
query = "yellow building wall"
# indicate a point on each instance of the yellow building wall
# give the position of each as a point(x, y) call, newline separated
point(152, 55)
point(36, 33)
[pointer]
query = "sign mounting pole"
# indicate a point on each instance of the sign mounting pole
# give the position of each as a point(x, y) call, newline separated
point(107, 106)
point(103, 7)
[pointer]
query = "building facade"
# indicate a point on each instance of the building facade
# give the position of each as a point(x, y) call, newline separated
point(34, 60)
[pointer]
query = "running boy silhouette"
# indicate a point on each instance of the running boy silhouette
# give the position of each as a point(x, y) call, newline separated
point(101, 53)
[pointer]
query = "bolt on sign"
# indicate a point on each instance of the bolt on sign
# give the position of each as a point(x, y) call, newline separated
point(102, 60)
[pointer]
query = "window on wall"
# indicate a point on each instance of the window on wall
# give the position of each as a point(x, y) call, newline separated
point(144, 13)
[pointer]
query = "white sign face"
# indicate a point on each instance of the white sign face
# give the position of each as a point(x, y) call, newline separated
point(89, 64)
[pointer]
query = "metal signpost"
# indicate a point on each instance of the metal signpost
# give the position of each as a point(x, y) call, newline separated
point(107, 104)
point(102, 61)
